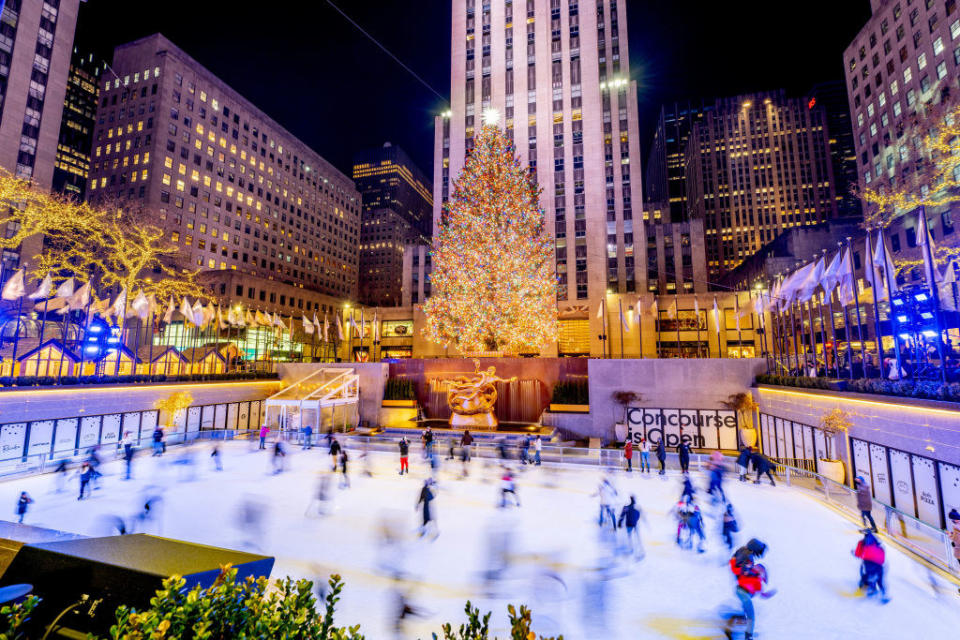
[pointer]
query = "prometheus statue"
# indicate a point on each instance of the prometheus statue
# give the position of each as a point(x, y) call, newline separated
point(472, 397)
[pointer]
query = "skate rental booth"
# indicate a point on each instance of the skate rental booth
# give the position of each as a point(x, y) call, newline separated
point(326, 400)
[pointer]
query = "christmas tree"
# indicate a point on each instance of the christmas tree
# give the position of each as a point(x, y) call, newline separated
point(494, 283)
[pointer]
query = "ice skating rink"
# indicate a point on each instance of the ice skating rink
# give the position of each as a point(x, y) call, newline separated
point(547, 554)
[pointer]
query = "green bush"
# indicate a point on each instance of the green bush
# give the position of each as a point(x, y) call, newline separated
point(924, 389)
point(14, 616)
point(399, 389)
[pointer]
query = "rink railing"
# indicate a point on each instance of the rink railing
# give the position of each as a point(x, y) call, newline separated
point(924, 540)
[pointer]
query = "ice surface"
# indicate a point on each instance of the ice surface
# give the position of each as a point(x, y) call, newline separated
point(558, 562)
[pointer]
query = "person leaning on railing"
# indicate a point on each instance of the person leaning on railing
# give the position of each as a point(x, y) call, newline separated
point(954, 533)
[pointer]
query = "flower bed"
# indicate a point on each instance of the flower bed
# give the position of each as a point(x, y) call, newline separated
point(926, 389)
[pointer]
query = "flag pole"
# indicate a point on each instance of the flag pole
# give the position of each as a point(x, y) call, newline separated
point(640, 327)
point(696, 311)
point(796, 347)
point(856, 301)
point(16, 335)
point(813, 336)
point(934, 291)
point(676, 321)
point(736, 302)
point(872, 274)
point(603, 323)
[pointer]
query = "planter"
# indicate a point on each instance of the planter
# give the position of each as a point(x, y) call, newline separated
point(832, 469)
point(838, 385)
point(621, 431)
point(398, 403)
point(748, 436)
point(570, 408)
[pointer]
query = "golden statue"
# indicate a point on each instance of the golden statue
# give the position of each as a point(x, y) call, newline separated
point(471, 398)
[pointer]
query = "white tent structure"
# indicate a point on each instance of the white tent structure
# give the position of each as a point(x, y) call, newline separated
point(326, 400)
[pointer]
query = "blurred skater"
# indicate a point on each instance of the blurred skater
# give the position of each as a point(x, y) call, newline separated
point(864, 502)
point(215, 456)
point(61, 476)
point(872, 557)
point(278, 457)
point(334, 452)
point(662, 456)
point(158, 447)
point(743, 463)
point(954, 534)
point(23, 503)
point(525, 449)
point(715, 489)
point(683, 452)
point(466, 444)
point(508, 486)
point(423, 502)
point(94, 461)
point(628, 454)
point(308, 437)
point(730, 526)
point(318, 505)
point(750, 580)
point(427, 438)
point(629, 517)
point(85, 473)
point(126, 443)
point(695, 525)
point(688, 489)
point(404, 456)
point(607, 493)
point(344, 478)
point(537, 450)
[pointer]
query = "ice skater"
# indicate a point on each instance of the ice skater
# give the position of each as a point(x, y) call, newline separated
point(427, 438)
point(762, 465)
point(307, 437)
point(872, 556)
point(525, 449)
point(23, 503)
point(423, 503)
point(743, 463)
point(644, 447)
point(318, 505)
point(508, 486)
point(404, 456)
point(628, 454)
point(60, 483)
point(683, 453)
point(662, 456)
point(126, 443)
point(695, 525)
point(537, 450)
point(688, 490)
point(630, 516)
point(158, 447)
point(344, 477)
point(264, 432)
point(607, 493)
point(751, 577)
point(729, 526)
point(215, 456)
point(466, 443)
point(865, 502)
point(278, 457)
point(334, 452)
point(954, 535)
point(94, 461)
point(85, 473)
point(715, 489)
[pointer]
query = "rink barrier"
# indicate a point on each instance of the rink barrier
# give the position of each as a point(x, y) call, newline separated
point(911, 534)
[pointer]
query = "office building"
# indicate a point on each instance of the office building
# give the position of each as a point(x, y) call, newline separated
point(397, 210)
point(36, 41)
point(757, 165)
point(72, 168)
point(234, 190)
point(675, 253)
point(558, 78)
point(904, 57)
point(666, 166)
point(832, 96)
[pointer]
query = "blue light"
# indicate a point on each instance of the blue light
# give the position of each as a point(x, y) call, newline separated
point(929, 334)
point(902, 318)
point(904, 336)
point(92, 349)
point(897, 302)
point(921, 297)
point(926, 315)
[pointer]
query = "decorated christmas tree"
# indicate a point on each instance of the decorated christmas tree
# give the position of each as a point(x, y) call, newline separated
point(493, 284)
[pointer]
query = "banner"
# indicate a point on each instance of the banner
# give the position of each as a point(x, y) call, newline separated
point(700, 428)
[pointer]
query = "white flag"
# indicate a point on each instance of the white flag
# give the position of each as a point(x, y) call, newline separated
point(80, 297)
point(716, 313)
point(846, 279)
point(696, 309)
point(141, 305)
point(376, 327)
point(168, 316)
point(119, 306)
point(339, 326)
point(307, 325)
point(277, 321)
point(65, 290)
point(186, 310)
point(43, 291)
point(14, 288)
point(924, 240)
point(198, 317)
point(831, 277)
point(884, 266)
point(623, 318)
point(672, 309)
point(231, 316)
point(326, 328)
point(811, 281)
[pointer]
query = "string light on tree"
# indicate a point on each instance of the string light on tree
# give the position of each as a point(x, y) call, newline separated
point(493, 284)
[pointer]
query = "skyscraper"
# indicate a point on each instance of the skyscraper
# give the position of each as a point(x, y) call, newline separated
point(234, 190)
point(397, 211)
point(36, 40)
point(666, 169)
point(559, 81)
point(832, 96)
point(76, 128)
point(757, 164)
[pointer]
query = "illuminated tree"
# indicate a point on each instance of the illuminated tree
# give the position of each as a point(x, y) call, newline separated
point(118, 244)
point(931, 143)
point(493, 284)
point(173, 404)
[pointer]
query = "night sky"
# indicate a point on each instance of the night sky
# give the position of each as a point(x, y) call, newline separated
point(323, 80)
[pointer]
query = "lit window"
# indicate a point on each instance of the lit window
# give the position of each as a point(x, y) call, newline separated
point(922, 61)
point(180, 185)
point(941, 70)
point(165, 179)
point(870, 110)
point(168, 162)
point(938, 46)
point(907, 74)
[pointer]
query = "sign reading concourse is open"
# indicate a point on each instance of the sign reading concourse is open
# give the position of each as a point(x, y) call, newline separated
point(700, 428)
